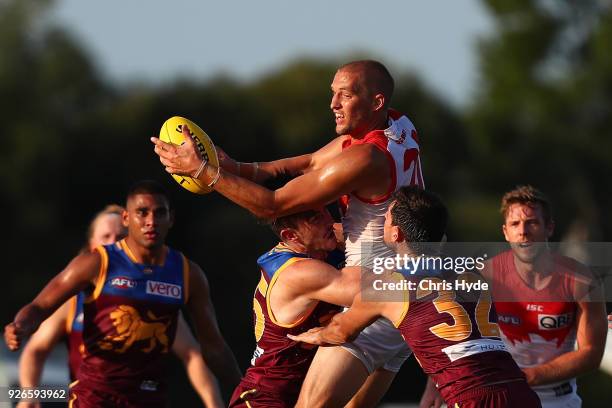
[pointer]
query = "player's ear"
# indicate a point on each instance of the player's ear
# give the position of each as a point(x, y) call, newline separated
point(505, 232)
point(379, 102)
point(400, 235)
point(124, 218)
point(550, 228)
point(171, 216)
point(288, 235)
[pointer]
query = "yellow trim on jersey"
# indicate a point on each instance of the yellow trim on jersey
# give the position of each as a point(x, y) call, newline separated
point(71, 313)
point(128, 251)
point(262, 286)
point(406, 304)
point(186, 270)
point(284, 266)
point(101, 275)
point(244, 394)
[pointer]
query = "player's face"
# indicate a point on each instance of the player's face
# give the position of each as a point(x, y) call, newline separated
point(390, 231)
point(317, 232)
point(351, 103)
point(527, 231)
point(107, 230)
point(148, 219)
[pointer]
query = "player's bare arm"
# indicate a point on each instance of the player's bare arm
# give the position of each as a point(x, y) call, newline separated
point(80, 274)
point(590, 338)
point(187, 349)
point(292, 166)
point(344, 327)
point(214, 349)
point(356, 167)
point(39, 346)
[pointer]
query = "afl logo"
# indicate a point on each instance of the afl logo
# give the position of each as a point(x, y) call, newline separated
point(554, 322)
point(122, 282)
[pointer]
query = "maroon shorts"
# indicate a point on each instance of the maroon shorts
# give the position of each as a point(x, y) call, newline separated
point(514, 394)
point(82, 396)
point(248, 395)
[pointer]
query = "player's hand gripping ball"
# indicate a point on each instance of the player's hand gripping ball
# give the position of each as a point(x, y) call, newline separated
point(172, 132)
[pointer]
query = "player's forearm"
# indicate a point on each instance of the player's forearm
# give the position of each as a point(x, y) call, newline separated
point(203, 381)
point(31, 364)
point(223, 364)
point(30, 317)
point(564, 367)
point(251, 196)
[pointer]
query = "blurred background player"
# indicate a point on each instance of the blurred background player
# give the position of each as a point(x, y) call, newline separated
point(134, 290)
point(449, 332)
point(376, 151)
point(546, 304)
point(67, 321)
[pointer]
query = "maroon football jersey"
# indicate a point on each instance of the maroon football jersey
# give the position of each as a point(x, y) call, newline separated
point(279, 364)
point(130, 322)
point(74, 333)
point(453, 333)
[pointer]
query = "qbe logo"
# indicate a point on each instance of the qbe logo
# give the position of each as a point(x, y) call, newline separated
point(554, 322)
point(164, 289)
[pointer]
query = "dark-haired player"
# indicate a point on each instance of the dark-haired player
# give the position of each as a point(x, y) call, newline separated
point(134, 291)
point(449, 332)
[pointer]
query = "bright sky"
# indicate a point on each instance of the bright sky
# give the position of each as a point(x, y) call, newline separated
point(156, 40)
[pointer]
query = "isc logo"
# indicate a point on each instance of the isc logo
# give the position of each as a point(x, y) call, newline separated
point(553, 322)
point(535, 308)
point(164, 289)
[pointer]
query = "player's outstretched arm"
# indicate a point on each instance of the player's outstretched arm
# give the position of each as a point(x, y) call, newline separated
point(356, 166)
point(187, 349)
point(80, 274)
point(215, 350)
point(591, 339)
point(345, 326)
point(431, 396)
point(38, 347)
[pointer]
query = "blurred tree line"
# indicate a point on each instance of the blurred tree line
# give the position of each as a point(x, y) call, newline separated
point(72, 142)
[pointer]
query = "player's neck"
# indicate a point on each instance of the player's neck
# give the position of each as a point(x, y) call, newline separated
point(148, 256)
point(535, 274)
point(380, 122)
point(301, 249)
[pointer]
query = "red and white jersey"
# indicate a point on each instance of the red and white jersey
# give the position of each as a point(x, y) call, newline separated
point(536, 325)
point(363, 219)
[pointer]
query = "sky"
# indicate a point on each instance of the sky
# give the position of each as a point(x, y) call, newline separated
point(157, 40)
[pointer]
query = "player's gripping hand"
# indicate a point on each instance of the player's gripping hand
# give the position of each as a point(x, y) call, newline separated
point(14, 334)
point(312, 336)
point(226, 162)
point(184, 159)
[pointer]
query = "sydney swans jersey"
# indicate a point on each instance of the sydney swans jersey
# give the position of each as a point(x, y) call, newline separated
point(130, 320)
point(537, 325)
point(363, 219)
point(279, 364)
point(74, 331)
point(453, 334)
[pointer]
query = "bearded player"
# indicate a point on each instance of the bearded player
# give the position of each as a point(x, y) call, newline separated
point(450, 332)
point(375, 154)
point(134, 291)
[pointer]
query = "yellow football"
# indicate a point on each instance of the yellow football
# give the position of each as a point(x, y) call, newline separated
point(172, 132)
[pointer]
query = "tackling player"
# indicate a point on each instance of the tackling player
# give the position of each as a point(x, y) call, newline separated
point(134, 291)
point(450, 332)
point(376, 152)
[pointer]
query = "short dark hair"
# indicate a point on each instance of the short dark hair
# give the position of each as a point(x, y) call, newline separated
point(147, 187)
point(419, 214)
point(377, 77)
point(526, 195)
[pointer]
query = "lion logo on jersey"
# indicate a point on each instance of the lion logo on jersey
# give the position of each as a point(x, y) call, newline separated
point(131, 328)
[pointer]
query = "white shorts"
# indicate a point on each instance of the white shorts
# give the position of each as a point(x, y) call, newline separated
point(559, 396)
point(380, 345)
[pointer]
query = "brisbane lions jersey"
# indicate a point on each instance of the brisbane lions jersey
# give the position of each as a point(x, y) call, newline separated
point(537, 325)
point(130, 320)
point(279, 364)
point(453, 333)
point(74, 332)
